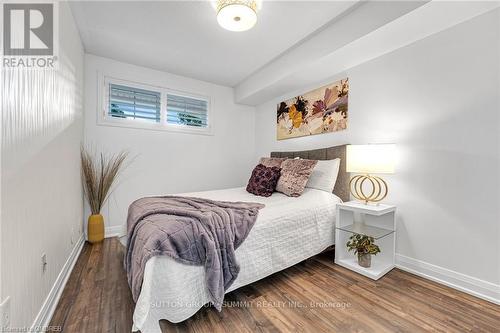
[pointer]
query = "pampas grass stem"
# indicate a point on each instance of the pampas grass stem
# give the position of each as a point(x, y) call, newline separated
point(99, 172)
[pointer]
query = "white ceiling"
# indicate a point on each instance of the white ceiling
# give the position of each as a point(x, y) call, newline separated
point(183, 37)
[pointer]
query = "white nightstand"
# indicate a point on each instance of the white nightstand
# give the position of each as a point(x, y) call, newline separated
point(377, 221)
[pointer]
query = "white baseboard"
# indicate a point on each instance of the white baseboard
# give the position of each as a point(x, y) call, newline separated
point(45, 314)
point(471, 285)
point(114, 231)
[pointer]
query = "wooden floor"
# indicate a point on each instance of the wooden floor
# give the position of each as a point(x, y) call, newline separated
point(314, 296)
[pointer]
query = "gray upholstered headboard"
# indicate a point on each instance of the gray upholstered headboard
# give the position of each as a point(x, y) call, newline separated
point(342, 185)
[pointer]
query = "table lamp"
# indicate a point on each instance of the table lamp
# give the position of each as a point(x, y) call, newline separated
point(367, 160)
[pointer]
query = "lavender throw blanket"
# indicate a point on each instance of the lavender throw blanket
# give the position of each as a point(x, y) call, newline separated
point(192, 231)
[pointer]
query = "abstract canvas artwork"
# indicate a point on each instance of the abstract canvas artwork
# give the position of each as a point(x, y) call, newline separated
point(322, 110)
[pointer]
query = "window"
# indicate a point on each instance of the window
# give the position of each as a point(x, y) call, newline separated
point(186, 111)
point(129, 104)
point(133, 103)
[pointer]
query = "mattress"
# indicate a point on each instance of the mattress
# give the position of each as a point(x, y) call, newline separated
point(287, 231)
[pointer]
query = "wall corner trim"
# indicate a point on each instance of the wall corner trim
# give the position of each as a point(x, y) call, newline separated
point(468, 284)
point(49, 305)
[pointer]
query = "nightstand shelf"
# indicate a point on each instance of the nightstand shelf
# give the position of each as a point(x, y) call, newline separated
point(367, 230)
point(371, 209)
point(377, 221)
point(376, 271)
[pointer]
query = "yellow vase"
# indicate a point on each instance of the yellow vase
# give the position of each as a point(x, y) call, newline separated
point(95, 229)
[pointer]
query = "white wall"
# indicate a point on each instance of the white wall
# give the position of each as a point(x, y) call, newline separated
point(438, 100)
point(42, 210)
point(373, 29)
point(169, 162)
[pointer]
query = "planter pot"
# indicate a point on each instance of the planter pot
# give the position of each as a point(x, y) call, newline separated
point(95, 228)
point(364, 260)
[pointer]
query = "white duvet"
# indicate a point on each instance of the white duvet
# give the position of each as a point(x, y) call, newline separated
point(287, 231)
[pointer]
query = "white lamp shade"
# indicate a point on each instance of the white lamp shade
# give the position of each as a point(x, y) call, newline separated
point(237, 17)
point(372, 158)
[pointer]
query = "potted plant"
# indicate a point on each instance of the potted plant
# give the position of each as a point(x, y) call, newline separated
point(364, 246)
point(99, 172)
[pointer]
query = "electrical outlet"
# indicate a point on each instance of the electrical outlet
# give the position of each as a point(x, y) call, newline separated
point(5, 314)
point(44, 262)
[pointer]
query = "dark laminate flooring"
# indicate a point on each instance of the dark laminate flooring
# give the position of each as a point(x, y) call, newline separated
point(314, 296)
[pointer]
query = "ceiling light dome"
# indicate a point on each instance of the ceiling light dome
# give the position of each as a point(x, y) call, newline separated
point(237, 15)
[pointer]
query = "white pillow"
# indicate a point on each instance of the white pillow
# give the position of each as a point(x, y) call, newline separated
point(324, 175)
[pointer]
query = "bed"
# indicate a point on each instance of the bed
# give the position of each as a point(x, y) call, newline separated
point(287, 231)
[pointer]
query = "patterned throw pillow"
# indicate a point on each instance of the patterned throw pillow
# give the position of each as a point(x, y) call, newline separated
point(263, 180)
point(294, 176)
point(272, 161)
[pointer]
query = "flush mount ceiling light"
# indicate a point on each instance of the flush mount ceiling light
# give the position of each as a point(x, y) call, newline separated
point(237, 15)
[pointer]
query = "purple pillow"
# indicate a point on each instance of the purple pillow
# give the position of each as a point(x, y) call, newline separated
point(263, 180)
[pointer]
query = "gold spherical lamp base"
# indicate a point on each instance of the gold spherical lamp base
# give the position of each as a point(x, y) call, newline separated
point(378, 192)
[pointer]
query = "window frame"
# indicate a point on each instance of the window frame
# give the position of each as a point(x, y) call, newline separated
point(104, 119)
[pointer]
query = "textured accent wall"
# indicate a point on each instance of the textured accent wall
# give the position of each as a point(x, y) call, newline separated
point(41, 197)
